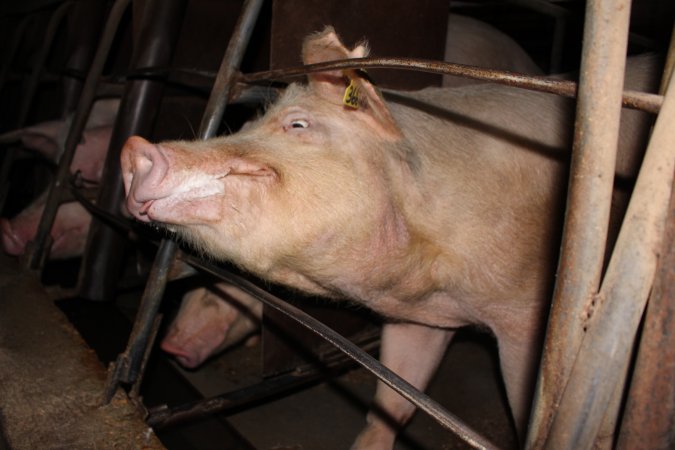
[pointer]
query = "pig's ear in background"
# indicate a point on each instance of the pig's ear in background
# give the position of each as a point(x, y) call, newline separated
point(42, 143)
point(348, 86)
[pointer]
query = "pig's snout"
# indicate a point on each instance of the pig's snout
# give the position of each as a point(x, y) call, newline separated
point(144, 167)
point(184, 356)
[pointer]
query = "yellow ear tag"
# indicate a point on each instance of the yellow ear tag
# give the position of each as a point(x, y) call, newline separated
point(351, 97)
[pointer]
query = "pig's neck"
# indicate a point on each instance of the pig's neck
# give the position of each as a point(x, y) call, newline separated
point(392, 268)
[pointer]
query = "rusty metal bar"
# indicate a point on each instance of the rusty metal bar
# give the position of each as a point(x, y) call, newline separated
point(37, 250)
point(650, 410)
point(226, 78)
point(163, 416)
point(126, 367)
point(588, 204)
point(609, 429)
point(630, 99)
point(607, 347)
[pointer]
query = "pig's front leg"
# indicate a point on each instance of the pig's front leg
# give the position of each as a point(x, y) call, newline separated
point(413, 352)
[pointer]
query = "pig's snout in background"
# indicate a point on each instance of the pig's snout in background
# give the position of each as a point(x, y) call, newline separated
point(144, 166)
point(210, 321)
point(12, 242)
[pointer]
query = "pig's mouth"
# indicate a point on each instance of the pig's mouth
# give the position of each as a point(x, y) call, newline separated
point(143, 211)
point(192, 206)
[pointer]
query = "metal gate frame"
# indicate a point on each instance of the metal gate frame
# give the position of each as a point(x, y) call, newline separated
point(572, 410)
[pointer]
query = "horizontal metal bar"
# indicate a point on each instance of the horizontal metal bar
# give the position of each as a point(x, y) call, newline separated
point(240, 399)
point(631, 99)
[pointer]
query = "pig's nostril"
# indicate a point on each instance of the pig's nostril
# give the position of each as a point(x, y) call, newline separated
point(144, 209)
point(142, 163)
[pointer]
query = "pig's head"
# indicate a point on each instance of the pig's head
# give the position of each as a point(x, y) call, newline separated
point(289, 185)
point(212, 320)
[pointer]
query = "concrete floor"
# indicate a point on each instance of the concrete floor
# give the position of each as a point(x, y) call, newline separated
point(325, 416)
point(51, 384)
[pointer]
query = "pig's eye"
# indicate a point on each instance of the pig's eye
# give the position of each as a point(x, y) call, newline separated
point(299, 123)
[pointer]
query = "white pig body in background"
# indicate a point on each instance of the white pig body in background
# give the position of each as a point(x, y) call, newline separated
point(71, 224)
point(476, 43)
point(439, 210)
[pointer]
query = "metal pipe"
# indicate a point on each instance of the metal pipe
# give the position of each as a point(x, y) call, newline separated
point(163, 416)
point(37, 249)
point(609, 429)
point(225, 79)
point(630, 99)
point(650, 410)
point(608, 344)
point(126, 368)
point(104, 251)
point(588, 204)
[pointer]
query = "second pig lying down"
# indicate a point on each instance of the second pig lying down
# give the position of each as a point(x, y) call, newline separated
point(438, 209)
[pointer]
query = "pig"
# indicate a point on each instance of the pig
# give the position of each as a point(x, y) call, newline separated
point(438, 209)
point(201, 326)
point(71, 224)
point(473, 42)
point(211, 320)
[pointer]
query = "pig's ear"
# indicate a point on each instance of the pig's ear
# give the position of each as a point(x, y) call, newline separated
point(42, 143)
point(326, 46)
point(349, 86)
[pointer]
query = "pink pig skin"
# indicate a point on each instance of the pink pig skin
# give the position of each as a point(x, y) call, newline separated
point(71, 225)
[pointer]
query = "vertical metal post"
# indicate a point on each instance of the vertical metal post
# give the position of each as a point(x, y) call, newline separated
point(37, 250)
point(84, 29)
point(605, 352)
point(646, 376)
point(104, 253)
point(650, 410)
point(126, 367)
point(587, 215)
